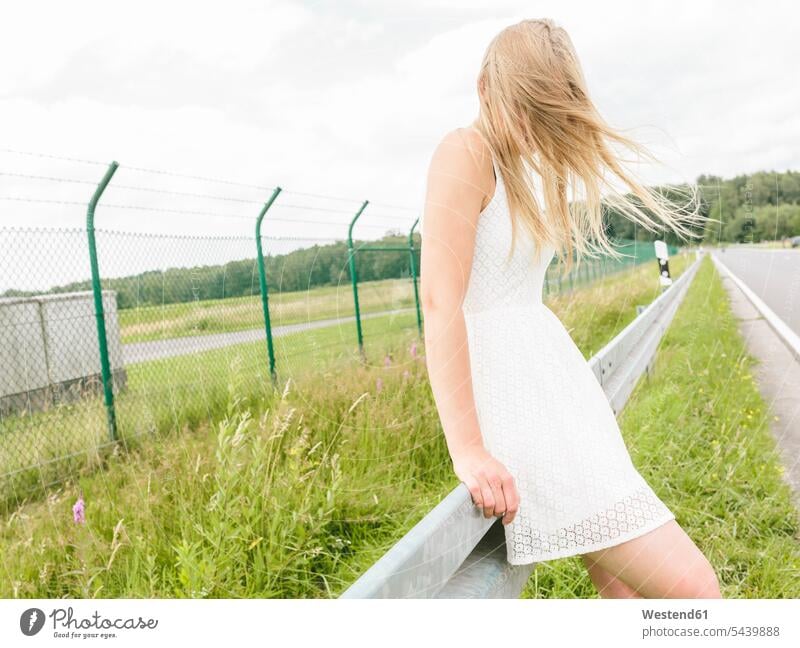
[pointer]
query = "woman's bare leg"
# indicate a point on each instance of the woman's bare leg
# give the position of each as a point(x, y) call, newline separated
point(608, 585)
point(663, 563)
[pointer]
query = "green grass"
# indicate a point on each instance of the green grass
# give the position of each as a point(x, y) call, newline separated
point(593, 322)
point(271, 502)
point(315, 487)
point(698, 431)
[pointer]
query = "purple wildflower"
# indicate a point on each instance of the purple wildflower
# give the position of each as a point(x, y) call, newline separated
point(413, 350)
point(387, 361)
point(378, 385)
point(79, 511)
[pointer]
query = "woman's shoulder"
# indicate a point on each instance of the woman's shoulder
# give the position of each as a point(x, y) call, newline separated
point(461, 171)
point(463, 155)
point(465, 141)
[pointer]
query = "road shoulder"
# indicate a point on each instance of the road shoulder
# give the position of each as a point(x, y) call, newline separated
point(778, 377)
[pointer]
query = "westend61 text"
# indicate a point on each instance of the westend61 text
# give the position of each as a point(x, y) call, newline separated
point(67, 620)
point(675, 614)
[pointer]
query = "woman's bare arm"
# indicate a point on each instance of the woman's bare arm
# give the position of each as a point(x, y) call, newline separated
point(456, 191)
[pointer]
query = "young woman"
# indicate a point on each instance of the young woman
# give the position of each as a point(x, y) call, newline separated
point(528, 427)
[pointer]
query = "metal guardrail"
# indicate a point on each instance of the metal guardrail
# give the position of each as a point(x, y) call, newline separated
point(619, 365)
point(454, 552)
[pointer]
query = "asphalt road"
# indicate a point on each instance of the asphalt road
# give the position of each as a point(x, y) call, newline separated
point(160, 349)
point(773, 275)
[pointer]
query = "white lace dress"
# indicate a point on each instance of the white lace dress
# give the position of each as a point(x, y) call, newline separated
point(541, 410)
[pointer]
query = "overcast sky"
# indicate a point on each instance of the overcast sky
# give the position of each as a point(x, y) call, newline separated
point(349, 98)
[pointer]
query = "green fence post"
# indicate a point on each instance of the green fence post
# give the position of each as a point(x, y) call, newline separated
point(352, 261)
point(102, 341)
point(414, 274)
point(262, 282)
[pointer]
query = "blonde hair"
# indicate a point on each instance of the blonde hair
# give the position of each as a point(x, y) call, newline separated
point(535, 112)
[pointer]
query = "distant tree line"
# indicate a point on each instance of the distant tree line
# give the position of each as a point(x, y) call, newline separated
point(764, 206)
point(319, 265)
point(761, 206)
point(747, 208)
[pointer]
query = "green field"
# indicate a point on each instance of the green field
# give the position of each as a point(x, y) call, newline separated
point(204, 317)
point(240, 313)
point(294, 494)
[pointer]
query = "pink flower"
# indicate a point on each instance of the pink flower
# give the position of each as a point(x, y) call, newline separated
point(79, 511)
point(387, 361)
point(413, 350)
point(378, 385)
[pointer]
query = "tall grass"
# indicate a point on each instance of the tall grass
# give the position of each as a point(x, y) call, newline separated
point(287, 496)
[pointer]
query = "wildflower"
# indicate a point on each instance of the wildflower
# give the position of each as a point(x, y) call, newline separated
point(413, 350)
point(79, 511)
point(406, 374)
point(378, 385)
point(387, 361)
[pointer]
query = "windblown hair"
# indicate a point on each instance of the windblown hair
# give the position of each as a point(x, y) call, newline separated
point(537, 118)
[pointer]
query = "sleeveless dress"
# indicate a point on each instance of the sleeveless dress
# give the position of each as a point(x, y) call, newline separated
point(541, 410)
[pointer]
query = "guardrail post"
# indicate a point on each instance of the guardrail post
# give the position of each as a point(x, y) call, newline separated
point(414, 274)
point(102, 341)
point(262, 282)
point(351, 257)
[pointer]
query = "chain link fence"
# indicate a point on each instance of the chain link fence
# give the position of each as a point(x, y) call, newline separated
point(185, 317)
